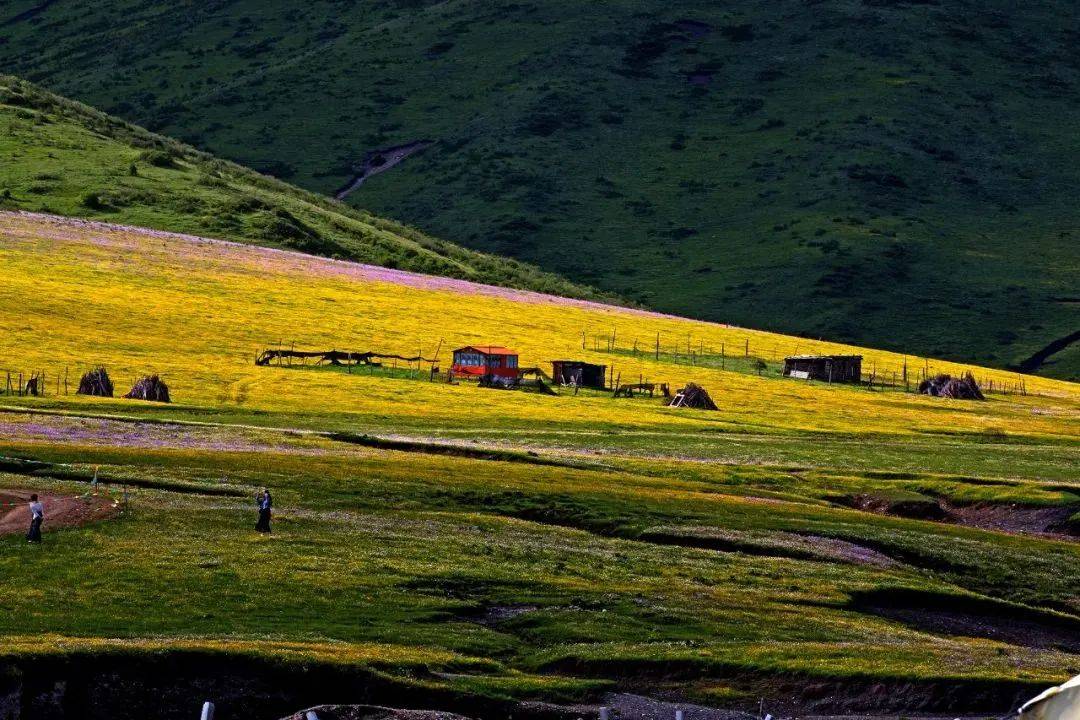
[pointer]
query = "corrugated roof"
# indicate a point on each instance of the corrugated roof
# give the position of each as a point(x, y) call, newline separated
point(577, 362)
point(823, 357)
point(487, 349)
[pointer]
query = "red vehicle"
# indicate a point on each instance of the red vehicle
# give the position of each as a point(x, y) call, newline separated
point(491, 361)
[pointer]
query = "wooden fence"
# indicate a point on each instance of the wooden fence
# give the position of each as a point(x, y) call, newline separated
point(33, 383)
point(755, 357)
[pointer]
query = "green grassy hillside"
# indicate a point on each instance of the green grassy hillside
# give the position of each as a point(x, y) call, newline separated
point(63, 157)
point(891, 173)
point(805, 550)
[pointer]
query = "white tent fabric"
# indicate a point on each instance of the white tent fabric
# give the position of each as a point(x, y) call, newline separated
point(1057, 703)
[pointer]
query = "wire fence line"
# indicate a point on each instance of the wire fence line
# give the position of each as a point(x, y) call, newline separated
point(45, 382)
point(748, 356)
point(745, 355)
point(37, 383)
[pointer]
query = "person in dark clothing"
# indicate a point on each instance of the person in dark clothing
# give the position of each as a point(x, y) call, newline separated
point(264, 502)
point(37, 516)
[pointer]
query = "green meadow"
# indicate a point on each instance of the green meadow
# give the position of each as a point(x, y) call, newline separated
point(562, 573)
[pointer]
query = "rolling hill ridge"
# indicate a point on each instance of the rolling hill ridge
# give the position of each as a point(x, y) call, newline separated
point(64, 157)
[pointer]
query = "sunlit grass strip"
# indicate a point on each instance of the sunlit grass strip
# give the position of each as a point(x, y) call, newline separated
point(376, 655)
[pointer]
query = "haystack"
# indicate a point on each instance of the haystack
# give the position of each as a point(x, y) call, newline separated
point(947, 386)
point(151, 388)
point(693, 396)
point(97, 383)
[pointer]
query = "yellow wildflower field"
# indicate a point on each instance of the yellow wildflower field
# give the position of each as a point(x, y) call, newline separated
point(77, 294)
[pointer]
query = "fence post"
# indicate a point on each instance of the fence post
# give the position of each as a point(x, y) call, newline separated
point(207, 711)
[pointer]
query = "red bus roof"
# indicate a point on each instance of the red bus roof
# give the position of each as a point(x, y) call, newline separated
point(487, 350)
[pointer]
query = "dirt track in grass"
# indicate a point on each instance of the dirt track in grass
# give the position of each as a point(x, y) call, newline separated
point(60, 511)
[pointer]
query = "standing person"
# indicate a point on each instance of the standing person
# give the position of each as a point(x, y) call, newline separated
point(37, 516)
point(265, 502)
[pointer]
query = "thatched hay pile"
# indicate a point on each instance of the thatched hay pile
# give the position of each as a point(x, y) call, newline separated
point(693, 396)
point(97, 383)
point(947, 386)
point(150, 387)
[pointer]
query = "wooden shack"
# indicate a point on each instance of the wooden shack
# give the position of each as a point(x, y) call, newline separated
point(576, 372)
point(830, 368)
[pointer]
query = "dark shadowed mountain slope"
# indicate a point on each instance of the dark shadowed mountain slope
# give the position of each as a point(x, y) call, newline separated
point(63, 157)
point(892, 173)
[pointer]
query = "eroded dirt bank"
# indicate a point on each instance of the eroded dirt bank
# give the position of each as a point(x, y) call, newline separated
point(1050, 522)
point(173, 685)
point(60, 511)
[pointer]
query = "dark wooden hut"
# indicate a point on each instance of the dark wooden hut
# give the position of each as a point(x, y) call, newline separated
point(576, 372)
point(830, 368)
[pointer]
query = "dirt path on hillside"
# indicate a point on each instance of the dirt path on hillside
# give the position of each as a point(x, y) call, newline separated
point(60, 511)
point(1033, 363)
point(381, 160)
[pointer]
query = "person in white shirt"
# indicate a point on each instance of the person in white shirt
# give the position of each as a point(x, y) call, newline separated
point(265, 505)
point(37, 516)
